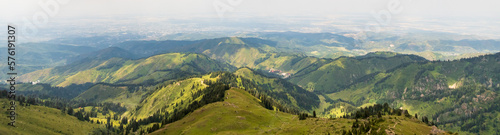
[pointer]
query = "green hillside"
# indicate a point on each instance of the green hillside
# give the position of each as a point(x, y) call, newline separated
point(327, 75)
point(127, 95)
point(41, 55)
point(103, 54)
point(37, 120)
point(170, 97)
point(458, 95)
point(144, 49)
point(178, 95)
point(238, 52)
point(284, 92)
point(117, 70)
point(240, 113)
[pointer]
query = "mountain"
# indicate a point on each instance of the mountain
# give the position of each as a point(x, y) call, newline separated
point(103, 54)
point(170, 96)
point(321, 45)
point(163, 88)
point(144, 49)
point(284, 92)
point(236, 51)
point(241, 113)
point(311, 39)
point(430, 45)
point(127, 95)
point(124, 71)
point(239, 52)
point(178, 95)
point(38, 56)
point(333, 75)
point(457, 94)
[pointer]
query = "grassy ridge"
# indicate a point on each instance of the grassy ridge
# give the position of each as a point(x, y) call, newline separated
point(242, 114)
point(43, 120)
point(168, 98)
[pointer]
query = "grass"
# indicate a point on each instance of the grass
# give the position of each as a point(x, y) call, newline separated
point(174, 96)
point(43, 120)
point(240, 113)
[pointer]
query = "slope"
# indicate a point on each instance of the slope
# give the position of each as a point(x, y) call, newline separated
point(41, 55)
point(240, 113)
point(171, 96)
point(43, 120)
point(239, 52)
point(104, 54)
point(284, 92)
point(329, 75)
point(150, 48)
point(121, 71)
point(236, 51)
point(463, 90)
point(127, 95)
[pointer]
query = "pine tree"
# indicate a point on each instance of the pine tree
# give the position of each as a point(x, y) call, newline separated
point(121, 127)
point(124, 120)
point(70, 110)
point(87, 117)
point(108, 122)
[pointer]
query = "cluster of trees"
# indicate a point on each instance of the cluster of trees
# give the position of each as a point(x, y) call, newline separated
point(153, 128)
point(377, 110)
point(82, 115)
point(373, 115)
point(359, 128)
point(303, 116)
point(58, 103)
point(425, 119)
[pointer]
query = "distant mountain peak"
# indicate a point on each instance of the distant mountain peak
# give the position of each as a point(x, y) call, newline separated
point(104, 54)
point(233, 40)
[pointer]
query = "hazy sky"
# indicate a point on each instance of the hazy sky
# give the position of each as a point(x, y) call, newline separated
point(458, 16)
point(240, 8)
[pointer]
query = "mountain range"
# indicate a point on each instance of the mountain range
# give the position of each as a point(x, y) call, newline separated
point(255, 86)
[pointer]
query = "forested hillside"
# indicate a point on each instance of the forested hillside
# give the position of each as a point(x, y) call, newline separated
point(150, 70)
point(458, 95)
